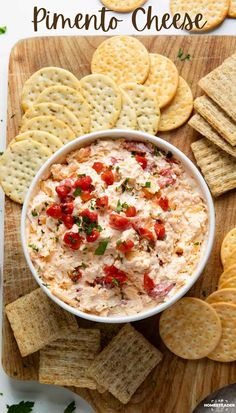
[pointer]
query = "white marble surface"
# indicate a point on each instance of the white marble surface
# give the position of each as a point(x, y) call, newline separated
point(17, 16)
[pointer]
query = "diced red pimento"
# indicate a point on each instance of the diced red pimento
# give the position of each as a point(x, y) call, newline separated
point(54, 211)
point(161, 290)
point(68, 221)
point(125, 246)
point(102, 202)
point(98, 167)
point(75, 275)
point(86, 196)
point(164, 203)
point(67, 208)
point(90, 215)
point(160, 230)
point(141, 160)
point(146, 234)
point(84, 183)
point(148, 283)
point(118, 222)
point(108, 177)
point(72, 240)
point(131, 211)
point(112, 272)
point(63, 190)
point(93, 236)
point(167, 178)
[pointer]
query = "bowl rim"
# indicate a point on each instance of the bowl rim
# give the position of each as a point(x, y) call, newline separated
point(129, 135)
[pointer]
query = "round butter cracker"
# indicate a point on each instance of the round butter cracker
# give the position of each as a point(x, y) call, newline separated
point(225, 351)
point(213, 11)
point(45, 138)
point(104, 99)
point(227, 274)
point(163, 78)
point(57, 111)
point(146, 107)
point(124, 58)
point(190, 328)
point(230, 283)
point(228, 246)
point(71, 99)
point(51, 125)
point(178, 111)
point(227, 295)
point(18, 166)
point(44, 78)
point(123, 6)
point(127, 118)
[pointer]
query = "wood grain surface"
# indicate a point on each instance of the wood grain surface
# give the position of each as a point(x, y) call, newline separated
point(176, 385)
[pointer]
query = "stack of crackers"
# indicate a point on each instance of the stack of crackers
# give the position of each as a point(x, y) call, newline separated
point(128, 89)
point(216, 121)
point(193, 328)
point(73, 356)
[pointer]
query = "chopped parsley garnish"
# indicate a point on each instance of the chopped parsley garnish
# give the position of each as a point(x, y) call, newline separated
point(83, 265)
point(1, 153)
point(22, 407)
point(34, 213)
point(3, 29)
point(77, 192)
point(81, 175)
point(46, 285)
point(70, 408)
point(183, 57)
point(46, 204)
point(148, 185)
point(101, 247)
point(56, 239)
point(156, 151)
point(196, 243)
point(121, 207)
point(125, 186)
point(115, 282)
point(33, 246)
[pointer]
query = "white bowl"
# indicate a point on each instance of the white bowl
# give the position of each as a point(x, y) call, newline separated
point(59, 156)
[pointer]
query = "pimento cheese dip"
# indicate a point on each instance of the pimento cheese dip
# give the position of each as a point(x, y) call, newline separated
point(118, 228)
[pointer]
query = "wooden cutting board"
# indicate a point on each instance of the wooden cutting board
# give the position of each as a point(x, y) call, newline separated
point(176, 385)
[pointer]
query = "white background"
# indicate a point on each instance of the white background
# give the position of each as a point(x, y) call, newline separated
point(17, 16)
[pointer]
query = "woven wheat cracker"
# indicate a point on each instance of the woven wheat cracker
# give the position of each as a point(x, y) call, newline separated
point(232, 8)
point(65, 362)
point(227, 295)
point(104, 100)
point(225, 350)
point(123, 6)
point(202, 126)
point(190, 328)
point(217, 118)
point(51, 125)
point(127, 118)
point(213, 11)
point(72, 99)
point(228, 273)
point(36, 321)
point(124, 58)
point(228, 245)
point(163, 78)
point(220, 85)
point(230, 283)
point(146, 107)
point(18, 166)
point(58, 112)
point(45, 138)
point(179, 110)
point(218, 168)
point(44, 78)
point(125, 363)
